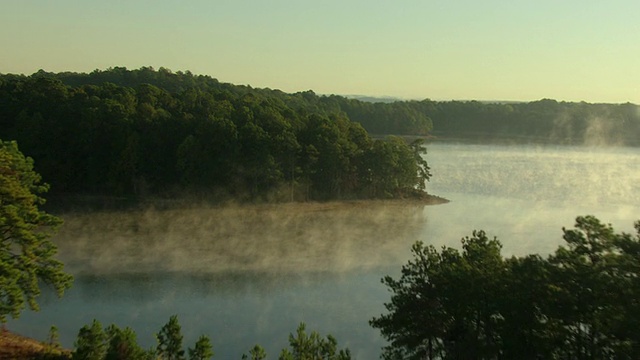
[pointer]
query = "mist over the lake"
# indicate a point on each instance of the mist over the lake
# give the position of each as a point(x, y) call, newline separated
point(298, 238)
point(249, 274)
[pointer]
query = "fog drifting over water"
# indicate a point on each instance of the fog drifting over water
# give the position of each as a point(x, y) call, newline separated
point(522, 194)
point(525, 194)
point(250, 274)
point(311, 237)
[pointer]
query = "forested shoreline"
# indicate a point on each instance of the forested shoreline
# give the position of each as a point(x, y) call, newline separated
point(194, 136)
point(146, 132)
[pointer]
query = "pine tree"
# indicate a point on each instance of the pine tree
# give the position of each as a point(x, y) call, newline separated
point(203, 349)
point(91, 343)
point(170, 341)
point(26, 253)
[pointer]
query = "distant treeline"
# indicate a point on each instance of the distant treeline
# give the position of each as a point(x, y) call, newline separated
point(545, 120)
point(148, 132)
point(398, 117)
point(540, 121)
point(145, 132)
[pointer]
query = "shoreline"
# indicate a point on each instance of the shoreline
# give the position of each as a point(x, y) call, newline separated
point(62, 204)
point(16, 346)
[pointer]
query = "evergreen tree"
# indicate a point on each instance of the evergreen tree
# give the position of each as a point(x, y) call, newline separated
point(203, 350)
point(91, 343)
point(123, 344)
point(170, 340)
point(305, 346)
point(27, 256)
point(256, 353)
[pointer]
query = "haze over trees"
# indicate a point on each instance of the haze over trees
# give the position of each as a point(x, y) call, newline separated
point(545, 120)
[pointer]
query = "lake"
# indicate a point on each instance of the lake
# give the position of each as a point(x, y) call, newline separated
point(250, 275)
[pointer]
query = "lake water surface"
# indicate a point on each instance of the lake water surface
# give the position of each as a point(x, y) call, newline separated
point(250, 275)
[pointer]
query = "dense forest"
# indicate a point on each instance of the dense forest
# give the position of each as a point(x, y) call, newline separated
point(155, 132)
point(544, 120)
point(145, 132)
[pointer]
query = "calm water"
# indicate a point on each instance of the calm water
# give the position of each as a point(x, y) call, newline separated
point(251, 275)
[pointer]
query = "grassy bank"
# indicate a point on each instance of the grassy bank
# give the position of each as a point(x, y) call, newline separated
point(18, 347)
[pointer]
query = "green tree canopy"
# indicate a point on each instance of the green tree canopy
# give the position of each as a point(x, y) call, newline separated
point(26, 253)
point(579, 303)
point(170, 340)
point(305, 346)
point(154, 133)
point(202, 350)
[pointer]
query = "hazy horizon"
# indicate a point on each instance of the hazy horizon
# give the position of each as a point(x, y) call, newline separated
point(485, 51)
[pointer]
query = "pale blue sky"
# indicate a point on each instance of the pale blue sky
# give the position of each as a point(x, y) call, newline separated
point(574, 50)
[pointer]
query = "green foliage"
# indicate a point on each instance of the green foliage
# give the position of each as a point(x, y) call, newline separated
point(203, 350)
point(170, 341)
point(26, 253)
point(53, 349)
point(578, 303)
point(53, 339)
point(91, 132)
point(256, 353)
point(91, 343)
point(538, 121)
point(114, 343)
point(122, 345)
point(312, 346)
point(94, 342)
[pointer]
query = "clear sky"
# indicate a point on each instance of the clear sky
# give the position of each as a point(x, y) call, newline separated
point(573, 50)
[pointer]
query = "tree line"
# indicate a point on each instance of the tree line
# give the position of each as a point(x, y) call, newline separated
point(95, 342)
point(93, 136)
point(113, 343)
point(544, 120)
point(148, 132)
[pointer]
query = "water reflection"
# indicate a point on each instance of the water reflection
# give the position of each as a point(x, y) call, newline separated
point(143, 287)
point(563, 175)
point(237, 309)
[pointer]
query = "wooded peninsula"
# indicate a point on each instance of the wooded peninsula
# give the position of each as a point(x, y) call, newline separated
point(147, 132)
